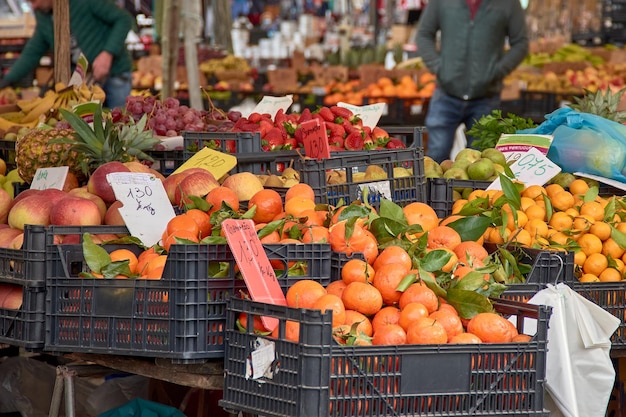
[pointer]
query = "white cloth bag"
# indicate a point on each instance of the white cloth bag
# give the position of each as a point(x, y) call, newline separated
point(579, 372)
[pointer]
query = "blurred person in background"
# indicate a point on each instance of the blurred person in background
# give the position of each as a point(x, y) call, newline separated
point(98, 29)
point(463, 43)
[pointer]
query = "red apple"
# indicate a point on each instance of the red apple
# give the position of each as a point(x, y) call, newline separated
point(34, 209)
point(244, 184)
point(196, 184)
point(171, 184)
point(23, 194)
point(71, 182)
point(5, 204)
point(7, 235)
point(113, 216)
point(84, 193)
point(75, 211)
point(98, 183)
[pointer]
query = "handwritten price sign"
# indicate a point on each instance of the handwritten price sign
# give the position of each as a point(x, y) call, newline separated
point(271, 105)
point(370, 114)
point(52, 177)
point(146, 209)
point(532, 168)
point(254, 265)
point(217, 163)
point(315, 140)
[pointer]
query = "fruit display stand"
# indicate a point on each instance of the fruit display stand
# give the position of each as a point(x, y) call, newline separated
point(180, 317)
point(317, 376)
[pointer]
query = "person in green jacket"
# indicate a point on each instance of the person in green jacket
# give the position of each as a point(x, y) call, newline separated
point(98, 29)
point(463, 42)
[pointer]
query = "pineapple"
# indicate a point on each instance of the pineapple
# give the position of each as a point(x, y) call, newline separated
point(83, 148)
point(601, 103)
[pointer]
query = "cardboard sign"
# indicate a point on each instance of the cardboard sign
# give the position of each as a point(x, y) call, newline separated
point(271, 105)
point(532, 168)
point(51, 177)
point(315, 140)
point(80, 73)
point(515, 145)
point(147, 209)
point(254, 265)
point(217, 163)
point(370, 114)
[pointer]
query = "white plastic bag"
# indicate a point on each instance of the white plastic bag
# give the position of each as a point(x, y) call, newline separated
point(579, 372)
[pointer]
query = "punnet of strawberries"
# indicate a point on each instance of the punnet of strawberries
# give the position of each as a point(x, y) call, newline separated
point(344, 129)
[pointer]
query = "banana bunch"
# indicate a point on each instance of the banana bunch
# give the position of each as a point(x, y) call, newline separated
point(6, 181)
point(39, 109)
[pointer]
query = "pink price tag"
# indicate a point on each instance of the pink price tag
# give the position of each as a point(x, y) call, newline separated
point(254, 265)
point(315, 140)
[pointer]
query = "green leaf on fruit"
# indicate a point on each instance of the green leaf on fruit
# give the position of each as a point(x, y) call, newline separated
point(96, 256)
point(435, 259)
point(468, 303)
point(391, 210)
point(476, 206)
point(471, 228)
point(510, 191)
point(113, 269)
point(385, 228)
point(618, 237)
point(591, 194)
point(354, 210)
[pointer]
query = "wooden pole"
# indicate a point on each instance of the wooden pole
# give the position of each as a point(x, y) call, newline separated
point(169, 45)
point(61, 41)
point(192, 24)
point(222, 13)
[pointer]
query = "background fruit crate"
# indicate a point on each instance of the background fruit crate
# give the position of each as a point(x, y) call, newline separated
point(402, 190)
point(7, 153)
point(611, 296)
point(441, 193)
point(25, 326)
point(412, 136)
point(26, 266)
point(180, 316)
point(318, 377)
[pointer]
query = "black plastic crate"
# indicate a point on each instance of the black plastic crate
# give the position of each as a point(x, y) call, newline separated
point(180, 316)
point(166, 162)
point(25, 327)
point(26, 266)
point(402, 190)
point(7, 153)
point(441, 193)
point(412, 136)
point(246, 147)
point(318, 377)
point(611, 296)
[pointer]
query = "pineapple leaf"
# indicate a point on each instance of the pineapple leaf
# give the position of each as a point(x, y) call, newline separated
point(98, 130)
point(82, 128)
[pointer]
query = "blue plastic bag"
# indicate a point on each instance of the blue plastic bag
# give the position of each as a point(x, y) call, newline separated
point(584, 142)
point(143, 408)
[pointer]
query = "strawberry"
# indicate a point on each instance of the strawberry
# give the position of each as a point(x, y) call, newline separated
point(333, 148)
point(341, 112)
point(318, 117)
point(297, 134)
point(395, 143)
point(273, 140)
point(305, 116)
point(264, 127)
point(290, 143)
point(280, 117)
point(368, 143)
point(354, 142)
point(254, 117)
point(334, 129)
point(336, 141)
point(231, 146)
point(349, 127)
point(249, 127)
point(326, 114)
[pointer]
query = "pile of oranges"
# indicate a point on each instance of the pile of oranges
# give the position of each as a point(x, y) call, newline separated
point(574, 219)
point(384, 89)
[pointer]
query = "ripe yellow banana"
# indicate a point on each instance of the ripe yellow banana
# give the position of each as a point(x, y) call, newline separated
point(98, 93)
point(85, 92)
point(58, 86)
point(28, 105)
point(42, 107)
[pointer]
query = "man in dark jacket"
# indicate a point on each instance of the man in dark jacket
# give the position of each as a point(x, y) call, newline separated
point(463, 43)
point(98, 29)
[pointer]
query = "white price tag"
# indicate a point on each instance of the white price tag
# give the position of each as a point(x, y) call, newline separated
point(146, 208)
point(382, 188)
point(370, 114)
point(52, 177)
point(532, 168)
point(271, 105)
point(261, 359)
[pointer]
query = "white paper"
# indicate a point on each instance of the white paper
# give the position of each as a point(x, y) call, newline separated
point(259, 365)
point(50, 177)
point(271, 105)
point(369, 114)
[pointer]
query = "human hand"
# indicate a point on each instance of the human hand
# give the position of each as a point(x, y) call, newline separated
point(101, 66)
